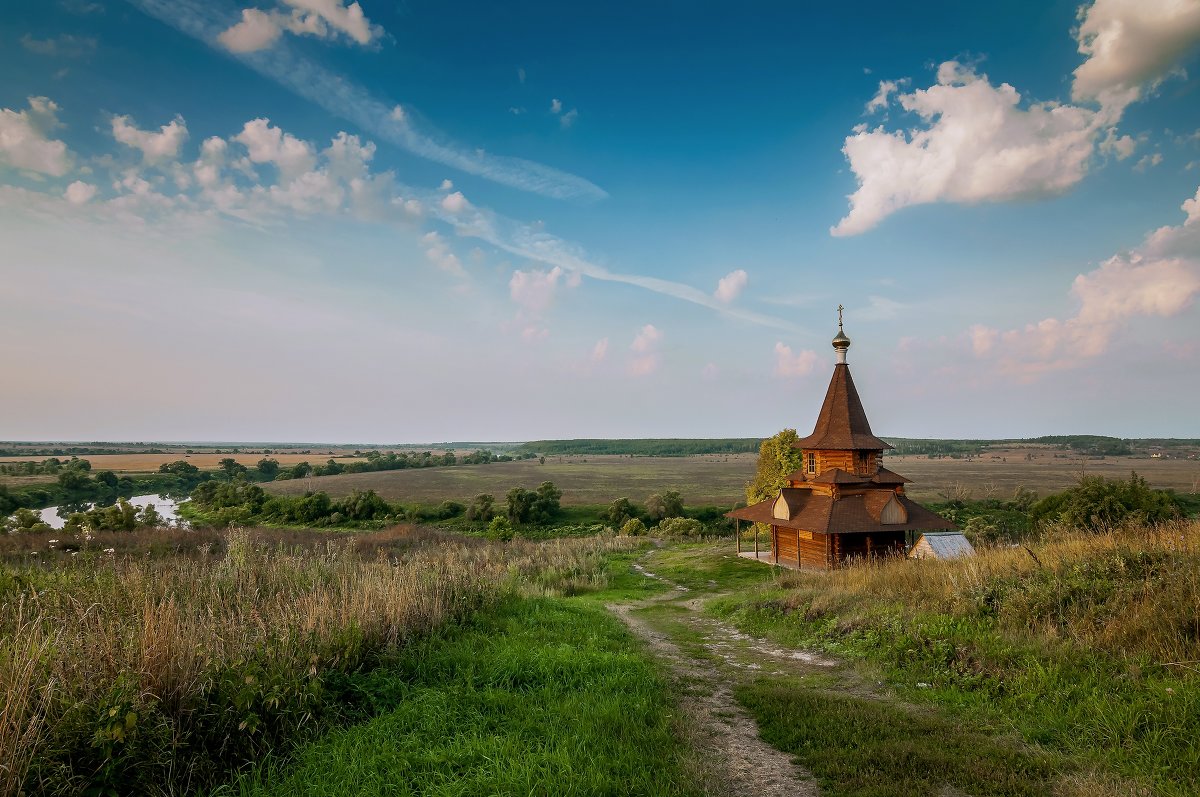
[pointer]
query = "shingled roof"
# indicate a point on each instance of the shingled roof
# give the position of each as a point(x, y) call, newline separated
point(842, 424)
point(851, 513)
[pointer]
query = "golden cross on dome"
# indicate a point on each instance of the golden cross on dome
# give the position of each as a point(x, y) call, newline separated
point(840, 308)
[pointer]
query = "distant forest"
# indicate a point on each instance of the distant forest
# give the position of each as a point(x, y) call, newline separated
point(647, 447)
point(1091, 445)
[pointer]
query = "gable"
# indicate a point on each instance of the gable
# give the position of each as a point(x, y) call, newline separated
point(781, 510)
point(893, 512)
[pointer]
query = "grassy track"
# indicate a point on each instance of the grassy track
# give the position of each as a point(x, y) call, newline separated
point(543, 696)
point(865, 747)
point(1084, 653)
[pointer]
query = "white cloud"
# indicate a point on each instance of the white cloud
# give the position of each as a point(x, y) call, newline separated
point(975, 143)
point(155, 147)
point(205, 21)
point(446, 185)
point(521, 74)
point(79, 192)
point(346, 19)
point(268, 144)
point(1148, 162)
point(710, 372)
point(645, 345)
point(1120, 146)
point(25, 142)
point(556, 105)
point(455, 202)
point(600, 350)
point(983, 338)
point(256, 31)
point(323, 19)
point(646, 337)
point(438, 252)
point(348, 158)
point(62, 46)
point(788, 364)
point(1158, 279)
point(1131, 45)
point(534, 290)
point(568, 118)
point(886, 89)
point(731, 285)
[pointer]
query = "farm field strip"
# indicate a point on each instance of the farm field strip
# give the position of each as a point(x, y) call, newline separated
point(721, 479)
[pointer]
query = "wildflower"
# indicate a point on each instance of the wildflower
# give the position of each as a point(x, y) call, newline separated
point(51, 543)
point(110, 551)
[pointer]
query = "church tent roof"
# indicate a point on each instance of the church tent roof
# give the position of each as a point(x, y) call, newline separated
point(842, 424)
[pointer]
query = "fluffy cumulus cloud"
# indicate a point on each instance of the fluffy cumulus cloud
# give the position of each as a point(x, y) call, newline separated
point(789, 364)
point(978, 142)
point(257, 30)
point(1158, 279)
point(156, 147)
point(534, 290)
point(731, 285)
point(438, 252)
point(600, 351)
point(323, 19)
point(268, 144)
point(974, 143)
point(646, 359)
point(25, 141)
point(79, 192)
point(454, 202)
point(1130, 46)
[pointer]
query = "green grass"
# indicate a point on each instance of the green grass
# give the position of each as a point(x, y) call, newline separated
point(542, 696)
point(1125, 715)
point(709, 567)
point(859, 747)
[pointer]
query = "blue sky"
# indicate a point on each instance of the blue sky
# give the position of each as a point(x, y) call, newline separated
point(321, 220)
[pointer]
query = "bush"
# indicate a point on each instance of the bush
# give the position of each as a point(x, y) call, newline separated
point(500, 529)
point(1098, 504)
point(619, 511)
point(680, 527)
point(633, 527)
point(664, 505)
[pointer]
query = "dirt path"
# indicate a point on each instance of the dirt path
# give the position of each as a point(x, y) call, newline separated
point(733, 760)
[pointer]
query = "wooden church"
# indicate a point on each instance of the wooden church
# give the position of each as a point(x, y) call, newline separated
point(842, 503)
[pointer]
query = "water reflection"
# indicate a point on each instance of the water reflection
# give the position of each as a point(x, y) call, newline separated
point(167, 507)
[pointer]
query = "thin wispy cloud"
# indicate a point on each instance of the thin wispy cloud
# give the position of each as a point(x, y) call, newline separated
point(534, 243)
point(206, 21)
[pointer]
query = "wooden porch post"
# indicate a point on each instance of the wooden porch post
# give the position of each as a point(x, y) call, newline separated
point(797, 549)
point(756, 542)
point(775, 542)
point(737, 533)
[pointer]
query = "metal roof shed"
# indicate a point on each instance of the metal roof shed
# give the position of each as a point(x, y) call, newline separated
point(941, 545)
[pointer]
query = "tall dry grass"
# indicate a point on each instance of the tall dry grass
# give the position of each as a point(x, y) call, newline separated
point(1134, 591)
point(145, 672)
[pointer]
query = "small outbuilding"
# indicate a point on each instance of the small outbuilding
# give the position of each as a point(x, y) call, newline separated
point(942, 545)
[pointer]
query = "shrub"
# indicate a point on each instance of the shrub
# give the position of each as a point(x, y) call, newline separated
point(633, 527)
point(500, 529)
point(664, 505)
point(680, 527)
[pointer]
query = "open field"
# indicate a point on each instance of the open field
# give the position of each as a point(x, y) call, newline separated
point(710, 479)
point(1003, 471)
point(720, 479)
